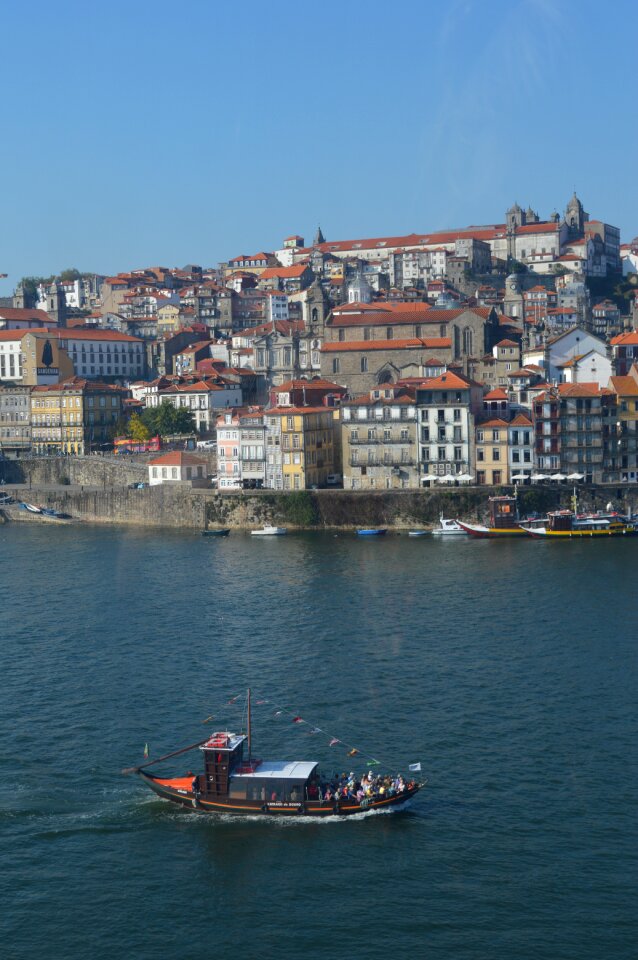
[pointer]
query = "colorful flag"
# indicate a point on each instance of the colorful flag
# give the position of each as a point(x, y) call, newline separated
point(414, 768)
point(146, 749)
point(334, 741)
point(353, 752)
point(315, 730)
point(277, 713)
point(233, 699)
point(208, 719)
point(297, 720)
point(260, 702)
point(373, 763)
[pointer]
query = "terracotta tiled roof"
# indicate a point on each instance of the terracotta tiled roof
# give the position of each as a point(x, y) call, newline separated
point(18, 313)
point(520, 420)
point(494, 422)
point(625, 339)
point(507, 343)
point(284, 273)
point(624, 386)
point(298, 411)
point(177, 458)
point(446, 381)
point(497, 394)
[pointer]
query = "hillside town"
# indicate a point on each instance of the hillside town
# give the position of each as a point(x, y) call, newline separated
point(489, 354)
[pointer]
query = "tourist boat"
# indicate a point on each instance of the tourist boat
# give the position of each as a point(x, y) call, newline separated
point(218, 532)
point(267, 531)
point(238, 784)
point(372, 532)
point(448, 528)
point(503, 522)
point(566, 524)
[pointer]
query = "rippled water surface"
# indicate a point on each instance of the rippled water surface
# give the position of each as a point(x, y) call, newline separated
point(508, 669)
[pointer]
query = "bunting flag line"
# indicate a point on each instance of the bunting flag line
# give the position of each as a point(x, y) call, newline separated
point(414, 767)
point(146, 750)
point(351, 751)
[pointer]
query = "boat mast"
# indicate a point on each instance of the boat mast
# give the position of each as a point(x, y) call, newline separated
point(248, 722)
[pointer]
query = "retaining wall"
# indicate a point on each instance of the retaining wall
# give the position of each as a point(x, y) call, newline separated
point(183, 507)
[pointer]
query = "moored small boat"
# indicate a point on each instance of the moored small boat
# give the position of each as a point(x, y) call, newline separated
point(418, 533)
point(503, 522)
point(567, 525)
point(448, 528)
point(218, 532)
point(267, 531)
point(372, 531)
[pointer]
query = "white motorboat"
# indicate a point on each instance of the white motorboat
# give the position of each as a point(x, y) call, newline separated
point(267, 531)
point(448, 528)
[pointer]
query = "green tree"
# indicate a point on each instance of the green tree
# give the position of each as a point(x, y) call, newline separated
point(71, 274)
point(137, 428)
point(167, 420)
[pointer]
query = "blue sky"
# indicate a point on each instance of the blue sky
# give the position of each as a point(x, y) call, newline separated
point(138, 133)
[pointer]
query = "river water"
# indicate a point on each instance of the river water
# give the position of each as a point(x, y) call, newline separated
point(507, 669)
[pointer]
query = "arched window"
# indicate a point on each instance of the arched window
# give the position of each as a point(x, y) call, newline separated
point(467, 341)
point(385, 376)
point(315, 315)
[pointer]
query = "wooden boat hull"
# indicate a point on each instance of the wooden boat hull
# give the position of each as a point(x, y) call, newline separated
point(581, 534)
point(177, 790)
point(482, 532)
point(216, 533)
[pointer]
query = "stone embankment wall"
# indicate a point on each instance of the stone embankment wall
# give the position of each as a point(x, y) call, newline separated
point(91, 471)
point(182, 507)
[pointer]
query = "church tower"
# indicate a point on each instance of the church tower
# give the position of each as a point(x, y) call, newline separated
point(319, 238)
point(56, 304)
point(513, 300)
point(514, 218)
point(315, 309)
point(21, 299)
point(575, 216)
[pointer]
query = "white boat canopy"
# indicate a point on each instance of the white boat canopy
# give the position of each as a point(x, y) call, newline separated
point(280, 770)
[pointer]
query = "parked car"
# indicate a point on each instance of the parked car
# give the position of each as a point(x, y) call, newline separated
point(207, 445)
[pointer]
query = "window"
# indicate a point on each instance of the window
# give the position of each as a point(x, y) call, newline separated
point(335, 365)
point(364, 364)
point(496, 436)
point(479, 436)
point(457, 414)
point(496, 454)
point(389, 333)
point(458, 453)
point(366, 333)
point(342, 335)
point(516, 456)
point(496, 476)
point(441, 453)
point(480, 455)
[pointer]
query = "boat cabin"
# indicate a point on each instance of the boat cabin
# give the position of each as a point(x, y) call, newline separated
point(503, 512)
point(228, 774)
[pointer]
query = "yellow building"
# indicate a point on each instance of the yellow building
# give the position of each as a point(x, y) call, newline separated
point(300, 445)
point(168, 320)
point(626, 445)
point(74, 417)
point(491, 452)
